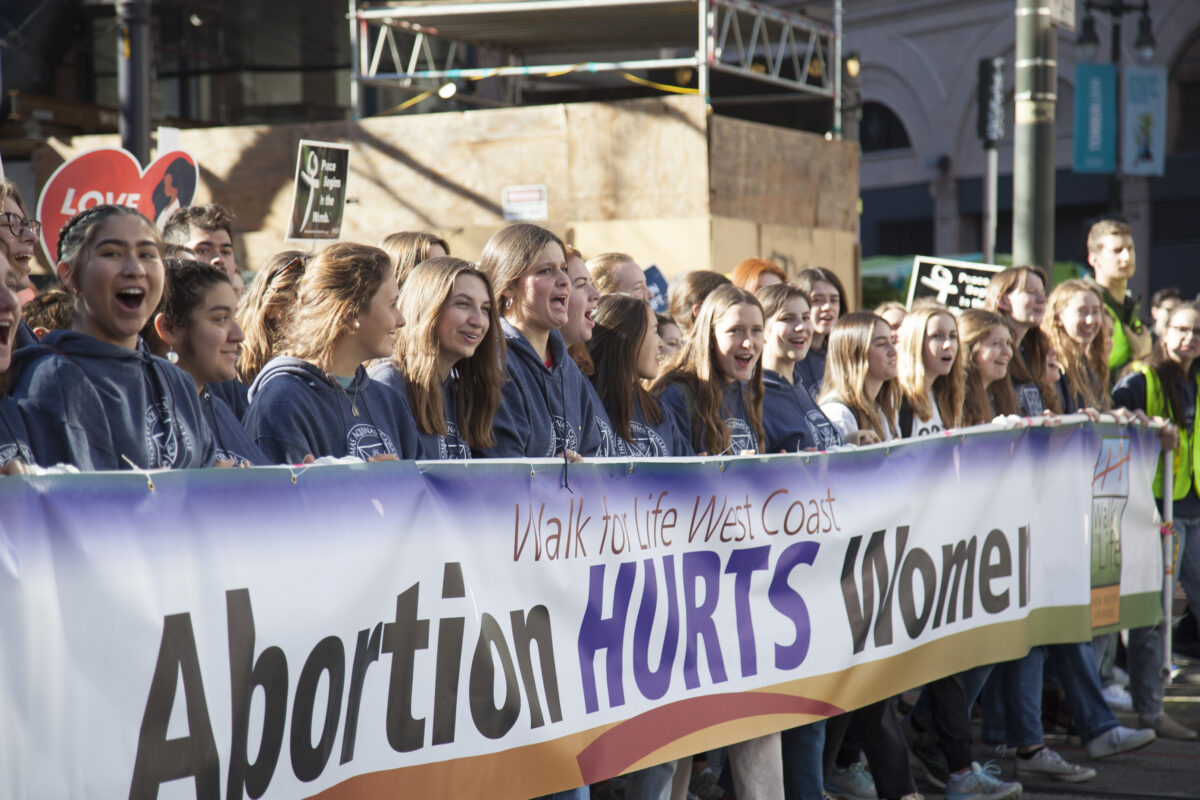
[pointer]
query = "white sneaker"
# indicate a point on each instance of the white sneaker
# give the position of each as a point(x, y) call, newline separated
point(1120, 676)
point(1048, 764)
point(1117, 697)
point(1119, 740)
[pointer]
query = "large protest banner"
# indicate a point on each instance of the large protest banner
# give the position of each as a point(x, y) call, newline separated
point(449, 629)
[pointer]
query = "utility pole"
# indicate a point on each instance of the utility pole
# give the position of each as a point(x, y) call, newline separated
point(133, 76)
point(1036, 71)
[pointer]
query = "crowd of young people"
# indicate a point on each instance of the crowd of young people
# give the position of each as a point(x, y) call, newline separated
point(156, 355)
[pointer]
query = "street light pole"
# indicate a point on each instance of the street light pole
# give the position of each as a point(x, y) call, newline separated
point(133, 77)
point(1088, 43)
point(1036, 70)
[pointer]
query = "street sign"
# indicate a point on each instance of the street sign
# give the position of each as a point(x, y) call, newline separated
point(957, 284)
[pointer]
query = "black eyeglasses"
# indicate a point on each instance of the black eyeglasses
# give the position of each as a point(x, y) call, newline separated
point(19, 225)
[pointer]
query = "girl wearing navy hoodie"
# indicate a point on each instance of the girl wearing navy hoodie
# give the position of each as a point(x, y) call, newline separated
point(197, 322)
point(546, 409)
point(791, 419)
point(316, 398)
point(713, 386)
point(624, 350)
point(120, 405)
point(446, 362)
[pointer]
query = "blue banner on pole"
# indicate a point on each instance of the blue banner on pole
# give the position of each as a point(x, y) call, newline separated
point(1095, 118)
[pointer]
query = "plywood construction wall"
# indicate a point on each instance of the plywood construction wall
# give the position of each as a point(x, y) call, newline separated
point(659, 178)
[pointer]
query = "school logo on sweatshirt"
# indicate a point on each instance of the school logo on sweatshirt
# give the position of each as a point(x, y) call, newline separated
point(741, 437)
point(608, 440)
point(646, 441)
point(166, 443)
point(225, 455)
point(565, 436)
point(451, 445)
point(824, 435)
point(1029, 399)
point(366, 441)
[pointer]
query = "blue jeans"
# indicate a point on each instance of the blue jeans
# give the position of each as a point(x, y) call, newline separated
point(651, 783)
point(803, 774)
point(582, 793)
point(1012, 706)
point(1145, 650)
point(1012, 709)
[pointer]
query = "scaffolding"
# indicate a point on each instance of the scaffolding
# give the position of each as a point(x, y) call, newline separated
point(394, 45)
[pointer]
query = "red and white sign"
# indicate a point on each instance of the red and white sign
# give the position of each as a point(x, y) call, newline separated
point(524, 203)
point(113, 176)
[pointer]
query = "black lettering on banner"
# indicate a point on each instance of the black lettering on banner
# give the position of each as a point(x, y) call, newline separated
point(917, 561)
point(403, 638)
point(529, 628)
point(449, 658)
point(491, 721)
point(308, 759)
point(994, 603)
point(366, 652)
point(245, 675)
point(159, 759)
point(960, 558)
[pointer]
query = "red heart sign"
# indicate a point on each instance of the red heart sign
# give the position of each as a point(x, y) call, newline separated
point(113, 175)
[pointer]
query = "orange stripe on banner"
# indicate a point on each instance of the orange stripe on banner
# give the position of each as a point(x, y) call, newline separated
point(618, 749)
point(700, 723)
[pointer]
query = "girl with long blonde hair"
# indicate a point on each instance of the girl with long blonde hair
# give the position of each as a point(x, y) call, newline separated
point(1073, 324)
point(446, 360)
point(860, 395)
point(931, 372)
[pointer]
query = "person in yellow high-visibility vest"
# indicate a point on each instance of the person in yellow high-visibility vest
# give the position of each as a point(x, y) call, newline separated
point(1113, 260)
point(1165, 385)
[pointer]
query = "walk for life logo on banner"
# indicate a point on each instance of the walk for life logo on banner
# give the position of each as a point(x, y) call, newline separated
point(113, 176)
point(1110, 494)
point(1144, 122)
point(319, 195)
point(477, 629)
point(957, 284)
point(1095, 118)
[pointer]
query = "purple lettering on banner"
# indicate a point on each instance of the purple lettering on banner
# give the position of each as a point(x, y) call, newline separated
point(702, 566)
point(653, 684)
point(743, 563)
point(788, 602)
point(598, 633)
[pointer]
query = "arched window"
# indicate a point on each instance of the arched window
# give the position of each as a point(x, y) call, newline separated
point(881, 129)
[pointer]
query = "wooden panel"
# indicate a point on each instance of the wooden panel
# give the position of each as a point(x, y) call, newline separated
point(675, 245)
point(776, 175)
point(732, 241)
point(637, 160)
point(795, 247)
